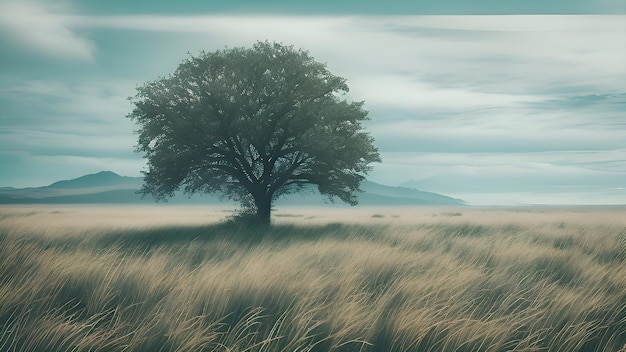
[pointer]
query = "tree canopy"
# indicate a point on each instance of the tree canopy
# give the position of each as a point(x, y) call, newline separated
point(252, 124)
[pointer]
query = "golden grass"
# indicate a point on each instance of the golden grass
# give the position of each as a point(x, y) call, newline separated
point(388, 279)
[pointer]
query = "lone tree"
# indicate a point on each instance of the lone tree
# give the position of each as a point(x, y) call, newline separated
point(252, 124)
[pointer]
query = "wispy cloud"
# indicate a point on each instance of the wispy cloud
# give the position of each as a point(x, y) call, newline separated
point(576, 177)
point(44, 28)
point(421, 55)
point(84, 107)
point(461, 103)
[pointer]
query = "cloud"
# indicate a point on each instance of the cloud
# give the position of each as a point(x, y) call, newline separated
point(577, 177)
point(56, 106)
point(517, 102)
point(511, 170)
point(426, 60)
point(47, 119)
point(395, 91)
point(93, 144)
point(43, 28)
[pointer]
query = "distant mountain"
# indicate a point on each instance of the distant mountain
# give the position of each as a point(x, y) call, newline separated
point(373, 189)
point(100, 179)
point(107, 187)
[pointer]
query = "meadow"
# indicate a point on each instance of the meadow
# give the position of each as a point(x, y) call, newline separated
point(464, 279)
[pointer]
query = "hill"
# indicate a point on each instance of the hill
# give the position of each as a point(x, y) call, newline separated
point(100, 179)
point(107, 187)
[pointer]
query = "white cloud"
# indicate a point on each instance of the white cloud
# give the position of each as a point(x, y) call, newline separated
point(436, 61)
point(38, 26)
point(431, 60)
point(95, 143)
point(500, 130)
point(498, 85)
point(397, 92)
point(512, 178)
point(82, 107)
point(513, 23)
point(514, 169)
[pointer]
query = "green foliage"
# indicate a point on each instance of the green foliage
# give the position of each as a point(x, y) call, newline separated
point(252, 124)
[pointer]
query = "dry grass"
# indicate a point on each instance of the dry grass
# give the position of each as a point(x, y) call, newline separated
point(173, 279)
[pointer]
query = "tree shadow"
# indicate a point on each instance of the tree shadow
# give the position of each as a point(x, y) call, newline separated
point(240, 233)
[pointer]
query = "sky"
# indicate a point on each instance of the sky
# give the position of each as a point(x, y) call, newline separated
point(494, 102)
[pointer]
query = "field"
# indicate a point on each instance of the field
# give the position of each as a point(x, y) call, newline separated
point(389, 279)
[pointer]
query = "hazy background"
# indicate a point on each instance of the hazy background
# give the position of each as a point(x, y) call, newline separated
point(489, 102)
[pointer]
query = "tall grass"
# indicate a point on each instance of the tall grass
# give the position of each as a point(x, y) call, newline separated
point(456, 283)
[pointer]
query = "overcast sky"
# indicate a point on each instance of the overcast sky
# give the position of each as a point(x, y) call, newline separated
point(494, 102)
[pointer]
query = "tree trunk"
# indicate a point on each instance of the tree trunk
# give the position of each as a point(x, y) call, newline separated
point(264, 210)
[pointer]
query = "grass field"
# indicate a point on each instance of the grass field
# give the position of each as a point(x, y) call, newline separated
point(389, 279)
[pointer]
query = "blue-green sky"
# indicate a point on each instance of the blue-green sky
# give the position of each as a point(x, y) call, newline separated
point(496, 102)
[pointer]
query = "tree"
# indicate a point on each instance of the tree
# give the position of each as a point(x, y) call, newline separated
point(252, 124)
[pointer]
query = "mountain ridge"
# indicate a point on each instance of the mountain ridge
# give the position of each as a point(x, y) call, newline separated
point(107, 187)
point(99, 179)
